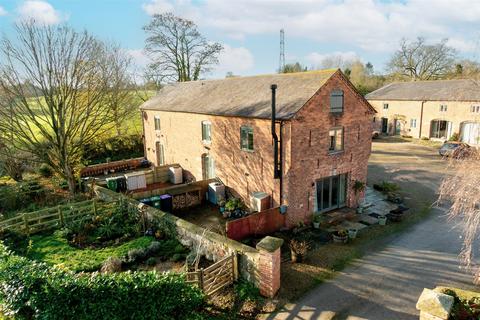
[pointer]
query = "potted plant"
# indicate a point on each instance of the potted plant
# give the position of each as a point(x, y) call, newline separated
point(340, 236)
point(382, 220)
point(352, 233)
point(221, 205)
point(317, 219)
point(358, 186)
point(298, 250)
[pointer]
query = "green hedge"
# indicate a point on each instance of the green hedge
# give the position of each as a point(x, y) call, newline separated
point(115, 148)
point(33, 290)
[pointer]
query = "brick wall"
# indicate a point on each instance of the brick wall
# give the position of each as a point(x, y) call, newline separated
point(311, 159)
point(245, 172)
point(257, 224)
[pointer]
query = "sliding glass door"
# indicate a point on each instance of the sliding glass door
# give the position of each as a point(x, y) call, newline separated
point(331, 193)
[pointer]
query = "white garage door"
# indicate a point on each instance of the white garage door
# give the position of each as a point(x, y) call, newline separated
point(470, 133)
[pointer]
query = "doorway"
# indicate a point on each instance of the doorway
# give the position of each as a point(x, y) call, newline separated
point(440, 129)
point(470, 133)
point(208, 167)
point(331, 193)
point(385, 125)
point(160, 153)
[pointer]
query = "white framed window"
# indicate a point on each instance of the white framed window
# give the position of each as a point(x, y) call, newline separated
point(335, 139)
point(385, 106)
point(475, 109)
point(246, 138)
point(413, 123)
point(157, 123)
point(336, 101)
point(206, 131)
point(443, 108)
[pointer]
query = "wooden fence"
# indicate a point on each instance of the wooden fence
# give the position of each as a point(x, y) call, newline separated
point(215, 277)
point(45, 219)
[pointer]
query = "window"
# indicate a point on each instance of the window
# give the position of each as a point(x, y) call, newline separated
point(246, 138)
point(475, 109)
point(443, 108)
point(336, 101)
point(160, 152)
point(413, 123)
point(206, 131)
point(336, 139)
point(374, 119)
point(157, 123)
point(385, 106)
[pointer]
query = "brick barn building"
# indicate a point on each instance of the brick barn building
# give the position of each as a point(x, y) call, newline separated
point(224, 129)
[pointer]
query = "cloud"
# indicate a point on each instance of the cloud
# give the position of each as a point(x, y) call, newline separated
point(239, 61)
point(139, 57)
point(157, 7)
point(3, 12)
point(41, 12)
point(369, 25)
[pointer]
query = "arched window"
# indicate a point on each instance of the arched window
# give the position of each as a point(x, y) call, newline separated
point(336, 101)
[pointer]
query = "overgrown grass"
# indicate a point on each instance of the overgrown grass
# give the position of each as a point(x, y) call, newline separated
point(55, 250)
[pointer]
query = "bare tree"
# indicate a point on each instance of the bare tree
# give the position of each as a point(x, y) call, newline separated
point(120, 99)
point(461, 190)
point(68, 70)
point(420, 61)
point(178, 51)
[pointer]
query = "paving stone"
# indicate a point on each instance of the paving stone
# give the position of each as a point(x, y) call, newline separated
point(435, 303)
point(368, 220)
point(353, 225)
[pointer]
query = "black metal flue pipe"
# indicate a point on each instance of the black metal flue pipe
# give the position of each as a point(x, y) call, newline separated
point(276, 167)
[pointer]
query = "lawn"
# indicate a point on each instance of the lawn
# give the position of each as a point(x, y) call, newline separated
point(55, 250)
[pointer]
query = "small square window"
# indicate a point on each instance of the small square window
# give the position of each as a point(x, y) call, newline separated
point(413, 123)
point(157, 123)
point(206, 131)
point(336, 139)
point(246, 138)
point(443, 108)
point(385, 106)
point(475, 109)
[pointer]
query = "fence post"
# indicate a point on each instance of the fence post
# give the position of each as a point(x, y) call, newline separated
point(25, 221)
point(60, 215)
point(200, 279)
point(235, 266)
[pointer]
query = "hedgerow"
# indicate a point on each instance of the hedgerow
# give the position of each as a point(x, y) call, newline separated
point(34, 290)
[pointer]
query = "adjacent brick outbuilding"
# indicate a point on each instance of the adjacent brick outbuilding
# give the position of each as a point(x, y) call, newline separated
point(222, 128)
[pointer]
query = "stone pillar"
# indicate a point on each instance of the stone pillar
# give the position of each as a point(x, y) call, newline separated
point(434, 305)
point(269, 266)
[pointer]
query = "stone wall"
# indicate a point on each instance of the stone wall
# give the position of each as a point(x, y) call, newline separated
point(261, 265)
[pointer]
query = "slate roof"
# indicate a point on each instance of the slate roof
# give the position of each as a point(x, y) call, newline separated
point(435, 90)
point(241, 96)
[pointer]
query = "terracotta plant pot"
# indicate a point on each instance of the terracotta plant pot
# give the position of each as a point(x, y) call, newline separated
point(339, 239)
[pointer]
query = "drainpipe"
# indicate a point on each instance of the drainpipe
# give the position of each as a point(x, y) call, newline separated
point(421, 121)
point(281, 163)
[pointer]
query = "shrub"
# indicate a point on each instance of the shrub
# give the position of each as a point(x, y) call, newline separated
point(455, 137)
point(136, 255)
point(151, 261)
point(247, 291)
point(112, 264)
point(45, 171)
point(35, 290)
point(115, 148)
point(178, 257)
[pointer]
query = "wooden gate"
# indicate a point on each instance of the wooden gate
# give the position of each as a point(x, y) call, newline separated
point(217, 276)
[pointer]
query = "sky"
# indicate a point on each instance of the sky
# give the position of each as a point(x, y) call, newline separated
point(368, 30)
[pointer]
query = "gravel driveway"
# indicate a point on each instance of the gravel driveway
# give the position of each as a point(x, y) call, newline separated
point(386, 284)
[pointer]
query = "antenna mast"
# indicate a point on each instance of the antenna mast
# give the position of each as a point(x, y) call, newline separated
point(282, 51)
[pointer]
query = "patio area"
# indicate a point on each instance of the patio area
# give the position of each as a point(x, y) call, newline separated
point(206, 215)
